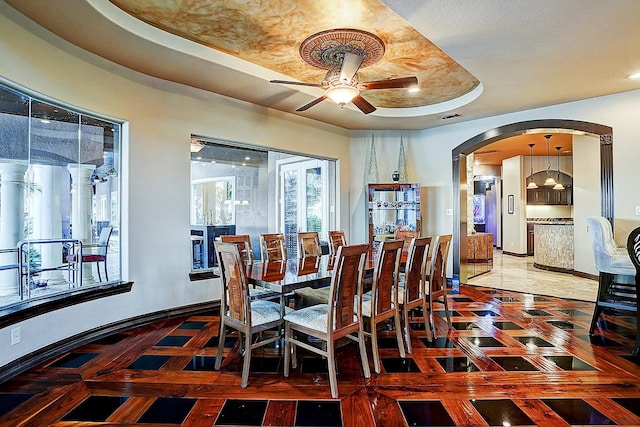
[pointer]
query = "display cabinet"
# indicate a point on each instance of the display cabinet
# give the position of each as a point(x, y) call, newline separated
point(393, 207)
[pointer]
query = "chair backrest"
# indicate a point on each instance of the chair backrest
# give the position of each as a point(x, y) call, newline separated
point(346, 284)
point(633, 247)
point(235, 295)
point(308, 244)
point(439, 257)
point(103, 240)
point(602, 242)
point(243, 241)
point(385, 277)
point(337, 238)
point(416, 269)
point(273, 247)
point(406, 236)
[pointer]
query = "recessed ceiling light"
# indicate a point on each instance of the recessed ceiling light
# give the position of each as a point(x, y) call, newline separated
point(198, 158)
point(247, 158)
point(213, 161)
point(45, 121)
point(414, 89)
point(635, 76)
point(244, 164)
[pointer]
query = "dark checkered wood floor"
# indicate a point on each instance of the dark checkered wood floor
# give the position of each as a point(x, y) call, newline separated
point(512, 359)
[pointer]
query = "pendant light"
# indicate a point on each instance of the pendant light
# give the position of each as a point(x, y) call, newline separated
point(532, 183)
point(558, 185)
point(550, 180)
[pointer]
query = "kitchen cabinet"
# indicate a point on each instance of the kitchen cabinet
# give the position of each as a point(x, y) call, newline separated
point(549, 196)
point(393, 207)
point(530, 239)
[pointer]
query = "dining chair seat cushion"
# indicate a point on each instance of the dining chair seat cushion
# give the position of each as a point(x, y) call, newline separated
point(86, 258)
point(260, 292)
point(263, 311)
point(314, 317)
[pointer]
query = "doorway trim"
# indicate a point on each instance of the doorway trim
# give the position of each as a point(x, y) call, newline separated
point(459, 161)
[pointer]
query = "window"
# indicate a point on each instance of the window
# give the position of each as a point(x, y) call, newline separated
point(59, 188)
point(240, 189)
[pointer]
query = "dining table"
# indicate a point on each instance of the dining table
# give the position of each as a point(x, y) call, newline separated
point(285, 276)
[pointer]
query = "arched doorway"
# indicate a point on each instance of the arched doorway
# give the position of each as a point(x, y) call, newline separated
point(605, 133)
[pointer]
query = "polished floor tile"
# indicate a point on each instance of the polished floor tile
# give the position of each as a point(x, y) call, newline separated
point(192, 325)
point(110, 339)
point(167, 410)
point(570, 363)
point(229, 341)
point(323, 413)
point(507, 326)
point(9, 401)
point(399, 365)
point(457, 364)
point(201, 363)
point(600, 341)
point(440, 342)
point(95, 408)
point(173, 341)
point(485, 341)
point(425, 413)
point(237, 412)
point(485, 313)
point(631, 404)
point(74, 360)
point(501, 412)
point(149, 362)
point(577, 411)
point(537, 313)
point(513, 363)
point(464, 326)
point(534, 342)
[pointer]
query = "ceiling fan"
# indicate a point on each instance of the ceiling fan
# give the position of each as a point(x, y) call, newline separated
point(343, 52)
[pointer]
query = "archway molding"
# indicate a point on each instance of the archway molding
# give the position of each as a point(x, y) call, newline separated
point(459, 154)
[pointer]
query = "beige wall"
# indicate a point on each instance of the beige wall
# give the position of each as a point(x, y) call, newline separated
point(160, 117)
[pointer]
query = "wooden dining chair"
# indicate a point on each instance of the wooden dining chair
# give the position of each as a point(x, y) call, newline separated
point(239, 312)
point(337, 238)
point(412, 290)
point(273, 247)
point(437, 286)
point(406, 236)
point(339, 317)
point(308, 244)
point(381, 303)
point(243, 241)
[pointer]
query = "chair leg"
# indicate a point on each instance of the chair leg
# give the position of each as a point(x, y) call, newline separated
point(604, 280)
point(374, 347)
point(363, 352)
point(399, 334)
point(425, 319)
point(406, 327)
point(287, 347)
point(432, 324)
point(331, 363)
point(106, 275)
point(636, 348)
point(220, 346)
point(446, 308)
point(98, 268)
point(247, 359)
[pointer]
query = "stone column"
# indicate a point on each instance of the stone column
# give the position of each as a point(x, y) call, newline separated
point(11, 219)
point(81, 192)
point(47, 219)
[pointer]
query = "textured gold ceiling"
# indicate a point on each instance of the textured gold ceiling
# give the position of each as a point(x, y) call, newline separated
point(269, 33)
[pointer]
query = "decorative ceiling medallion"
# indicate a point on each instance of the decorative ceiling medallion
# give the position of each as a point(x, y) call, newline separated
point(326, 49)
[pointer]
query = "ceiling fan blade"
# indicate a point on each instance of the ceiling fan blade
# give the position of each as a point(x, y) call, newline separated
point(312, 103)
point(287, 82)
point(350, 65)
point(402, 82)
point(363, 105)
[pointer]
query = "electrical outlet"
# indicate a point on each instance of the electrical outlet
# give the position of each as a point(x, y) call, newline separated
point(637, 210)
point(15, 336)
point(449, 212)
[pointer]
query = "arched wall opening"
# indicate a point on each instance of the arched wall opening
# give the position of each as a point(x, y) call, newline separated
point(459, 154)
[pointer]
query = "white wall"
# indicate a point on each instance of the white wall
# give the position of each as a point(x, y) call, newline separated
point(160, 117)
point(514, 227)
point(429, 157)
point(586, 158)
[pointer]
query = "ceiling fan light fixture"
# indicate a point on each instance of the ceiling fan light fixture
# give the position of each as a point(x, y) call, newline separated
point(342, 94)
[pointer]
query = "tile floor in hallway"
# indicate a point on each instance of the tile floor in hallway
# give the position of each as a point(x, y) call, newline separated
point(518, 274)
point(510, 359)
